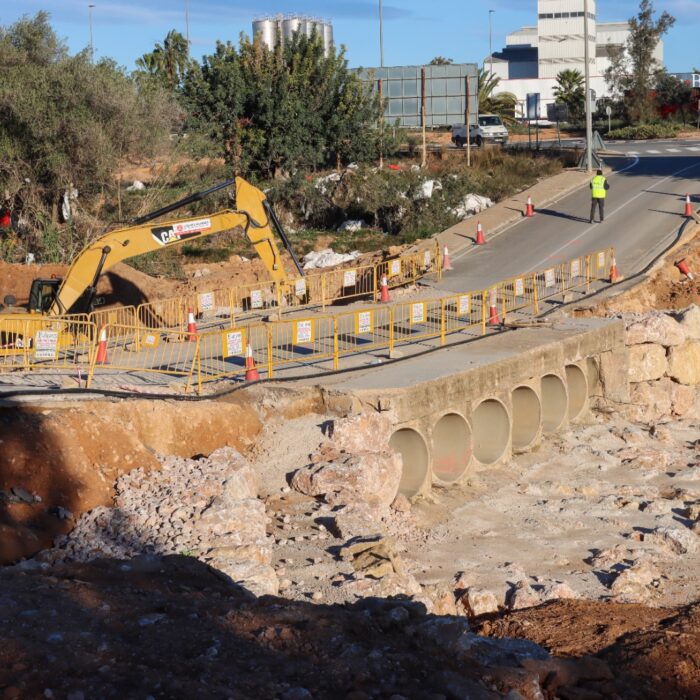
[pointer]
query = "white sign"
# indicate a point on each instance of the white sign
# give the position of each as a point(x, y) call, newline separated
point(206, 301)
point(464, 305)
point(601, 259)
point(575, 268)
point(394, 268)
point(349, 278)
point(364, 322)
point(427, 258)
point(304, 332)
point(233, 342)
point(256, 300)
point(417, 313)
point(519, 287)
point(45, 345)
point(300, 287)
point(549, 277)
point(696, 83)
point(493, 297)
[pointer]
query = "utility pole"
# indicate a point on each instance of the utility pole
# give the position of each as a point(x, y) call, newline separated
point(187, 25)
point(490, 50)
point(92, 45)
point(381, 36)
point(587, 74)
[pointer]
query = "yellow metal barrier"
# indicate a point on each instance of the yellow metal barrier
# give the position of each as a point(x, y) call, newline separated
point(305, 342)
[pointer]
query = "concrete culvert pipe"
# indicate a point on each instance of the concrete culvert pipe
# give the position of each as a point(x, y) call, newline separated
point(527, 414)
point(577, 389)
point(593, 376)
point(491, 428)
point(452, 447)
point(554, 403)
point(411, 446)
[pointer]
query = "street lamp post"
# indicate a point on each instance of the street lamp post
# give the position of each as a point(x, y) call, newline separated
point(587, 74)
point(490, 50)
point(92, 45)
point(381, 36)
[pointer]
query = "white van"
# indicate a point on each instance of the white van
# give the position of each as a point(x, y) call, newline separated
point(488, 129)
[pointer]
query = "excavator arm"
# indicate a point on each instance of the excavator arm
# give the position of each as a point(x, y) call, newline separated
point(252, 213)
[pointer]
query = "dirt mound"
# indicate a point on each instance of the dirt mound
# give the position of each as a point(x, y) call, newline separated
point(654, 652)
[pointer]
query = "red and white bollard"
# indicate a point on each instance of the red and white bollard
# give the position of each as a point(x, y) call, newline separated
point(446, 264)
point(101, 358)
point(191, 327)
point(530, 210)
point(384, 290)
point(480, 240)
point(683, 268)
point(251, 371)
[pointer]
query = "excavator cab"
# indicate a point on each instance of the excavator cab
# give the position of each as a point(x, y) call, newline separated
point(43, 294)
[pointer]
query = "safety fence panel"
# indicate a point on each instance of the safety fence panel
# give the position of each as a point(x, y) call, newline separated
point(600, 264)
point(518, 294)
point(165, 313)
point(364, 329)
point(149, 350)
point(576, 273)
point(463, 312)
point(417, 320)
point(302, 341)
point(222, 353)
point(43, 343)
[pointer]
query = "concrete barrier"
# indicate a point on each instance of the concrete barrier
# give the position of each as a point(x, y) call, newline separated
point(491, 426)
point(412, 447)
point(555, 403)
point(577, 390)
point(451, 447)
point(527, 417)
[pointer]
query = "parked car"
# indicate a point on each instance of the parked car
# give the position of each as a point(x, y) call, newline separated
point(488, 129)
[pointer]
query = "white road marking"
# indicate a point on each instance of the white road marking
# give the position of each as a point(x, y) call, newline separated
point(673, 150)
point(694, 148)
point(652, 151)
point(619, 209)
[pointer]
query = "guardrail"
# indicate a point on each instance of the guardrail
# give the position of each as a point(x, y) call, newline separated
point(325, 339)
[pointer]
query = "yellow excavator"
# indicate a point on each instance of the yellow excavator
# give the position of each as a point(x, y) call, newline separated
point(76, 292)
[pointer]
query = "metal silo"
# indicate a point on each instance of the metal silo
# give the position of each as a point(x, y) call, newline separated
point(268, 28)
point(327, 33)
point(290, 25)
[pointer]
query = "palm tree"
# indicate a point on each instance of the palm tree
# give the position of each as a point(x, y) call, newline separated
point(168, 61)
point(502, 103)
point(570, 91)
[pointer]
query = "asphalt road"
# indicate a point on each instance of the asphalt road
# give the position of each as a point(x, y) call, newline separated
point(644, 210)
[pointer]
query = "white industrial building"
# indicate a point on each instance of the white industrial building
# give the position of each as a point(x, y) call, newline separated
point(533, 56)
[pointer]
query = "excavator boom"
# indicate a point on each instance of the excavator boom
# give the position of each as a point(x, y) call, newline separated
point(252, 213)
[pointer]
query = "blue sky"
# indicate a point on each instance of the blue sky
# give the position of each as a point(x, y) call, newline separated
point(414, 30)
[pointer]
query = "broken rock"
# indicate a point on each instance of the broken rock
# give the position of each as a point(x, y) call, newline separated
point(658, 328)
point(684, 363)
point(647, 362)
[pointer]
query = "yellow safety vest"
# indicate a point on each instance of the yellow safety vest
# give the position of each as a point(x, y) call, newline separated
point(598, 187)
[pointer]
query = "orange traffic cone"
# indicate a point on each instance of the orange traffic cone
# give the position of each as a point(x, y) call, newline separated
point(480, 240)
point(688, 206)
point(251, 371)
point(446, 264)
point(191, 327)
point(683, 268)
point(613, 271)
point(384, 291)
point(493, 311)
point(101, 358)
point(530, 211)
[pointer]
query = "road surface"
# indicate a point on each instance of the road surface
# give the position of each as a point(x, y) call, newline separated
point(644, 210)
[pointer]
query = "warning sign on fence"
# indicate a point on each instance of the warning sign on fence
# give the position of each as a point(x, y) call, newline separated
point(465, 305)
point(233, 343)
point(418, 313)
point(150, 340)
point(363, 322)
point(601, 259)
point(427, 258)
point(206, 302)
point(303, 332)
point(575, 268)
point(256, 299)
point(519, 287)
point(394, 268)
point(550, 278)
point(45, 345)
point(349, 278)
point(300, 287)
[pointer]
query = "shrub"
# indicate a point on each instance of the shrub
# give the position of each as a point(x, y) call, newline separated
point(645, 131)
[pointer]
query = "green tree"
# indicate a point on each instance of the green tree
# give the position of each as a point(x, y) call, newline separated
point(492, 102)
point(570, 91)
point(441, 61)
point(276, 111)
point(672, 94)
point(167, 62)
point(632, 70)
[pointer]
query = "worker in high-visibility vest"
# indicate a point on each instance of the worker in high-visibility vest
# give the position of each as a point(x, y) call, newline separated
point(599, 187)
